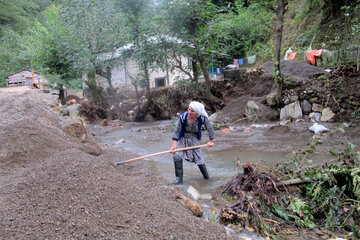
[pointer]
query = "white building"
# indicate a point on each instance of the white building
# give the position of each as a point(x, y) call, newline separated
point(122, 74)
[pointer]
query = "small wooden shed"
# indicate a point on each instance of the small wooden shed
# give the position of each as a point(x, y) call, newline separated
point(25, 78)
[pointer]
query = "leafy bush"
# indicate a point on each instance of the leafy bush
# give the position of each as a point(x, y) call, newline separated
point(333, 191)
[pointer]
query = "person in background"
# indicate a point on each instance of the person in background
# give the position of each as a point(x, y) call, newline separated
point(187, 133)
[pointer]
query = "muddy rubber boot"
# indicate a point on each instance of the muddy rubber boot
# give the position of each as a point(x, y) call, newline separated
point(178, 162)
point(203, 170)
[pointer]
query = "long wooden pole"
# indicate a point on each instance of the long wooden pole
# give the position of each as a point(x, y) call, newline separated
point(160, 153)
point(32, 77)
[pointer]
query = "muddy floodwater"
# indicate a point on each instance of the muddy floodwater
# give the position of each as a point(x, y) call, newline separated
point(262, 144)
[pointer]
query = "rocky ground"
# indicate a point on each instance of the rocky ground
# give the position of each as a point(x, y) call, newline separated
point(52, 188)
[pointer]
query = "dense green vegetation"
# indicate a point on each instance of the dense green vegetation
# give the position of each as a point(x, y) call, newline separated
point(62, 38)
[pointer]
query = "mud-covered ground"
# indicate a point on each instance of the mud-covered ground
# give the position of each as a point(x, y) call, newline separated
point(50, 188)
point(56, 186)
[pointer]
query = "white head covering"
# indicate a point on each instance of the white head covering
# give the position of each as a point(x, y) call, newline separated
point(199, 108)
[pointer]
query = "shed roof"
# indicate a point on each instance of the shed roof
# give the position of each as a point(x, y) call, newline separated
point(21, 71)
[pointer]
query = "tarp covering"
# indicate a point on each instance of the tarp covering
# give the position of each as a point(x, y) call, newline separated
point(310, 55)
point(251, 59)
point(292, 56)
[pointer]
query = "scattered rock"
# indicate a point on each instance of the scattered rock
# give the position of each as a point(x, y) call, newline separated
point(285, 122)
point(206, 196)
point(306, 106)
point(327, 115)
point(315, 116)
point(256, 111)
point(271, 99)
point(280, 130)
point(294, 98)
point(317, 107)
point(76, 130)
point(89, 144)
point(120, 141)
point(213, 117)
point(314, 99)
point(193, 192)
point(291, 111)
point(73, 109)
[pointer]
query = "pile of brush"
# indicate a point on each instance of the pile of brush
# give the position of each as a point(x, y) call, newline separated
point(254, 192)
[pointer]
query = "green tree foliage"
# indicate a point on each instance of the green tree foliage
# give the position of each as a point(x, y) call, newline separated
point(334, 26)
point(75, 34)
point(17, 14)
point(10, 48)
point(223, 3)
point(187, 20)
point(94, 29)
point(277, 8)
point(242, 31)
point(45, 49)
point(144, 38)
point(33, 44)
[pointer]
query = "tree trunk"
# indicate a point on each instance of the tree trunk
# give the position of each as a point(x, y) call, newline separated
point(136, 86)
point(280, 11)
point(108, 78)
point(107, 75)
point(135, 82)
point(94, 89)
point(167, 71)
point(205, 73)
point(195, 71)
point(147, 78)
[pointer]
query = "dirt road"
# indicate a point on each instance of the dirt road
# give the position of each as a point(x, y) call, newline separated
point(51, 189)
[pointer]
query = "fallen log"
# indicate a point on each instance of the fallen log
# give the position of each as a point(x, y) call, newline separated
point(190, 204)
point(293, 181)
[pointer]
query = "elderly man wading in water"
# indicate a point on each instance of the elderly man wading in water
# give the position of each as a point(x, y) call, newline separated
point(187, 133)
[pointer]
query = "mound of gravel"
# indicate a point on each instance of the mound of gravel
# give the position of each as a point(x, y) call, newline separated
point(29, 130)
point(293, 69)
point(51, 189)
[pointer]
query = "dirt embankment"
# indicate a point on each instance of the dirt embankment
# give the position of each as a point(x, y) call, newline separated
point(336, 90)
point(50, 188)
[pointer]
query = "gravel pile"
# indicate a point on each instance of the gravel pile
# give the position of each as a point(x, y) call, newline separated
point(51, 189)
